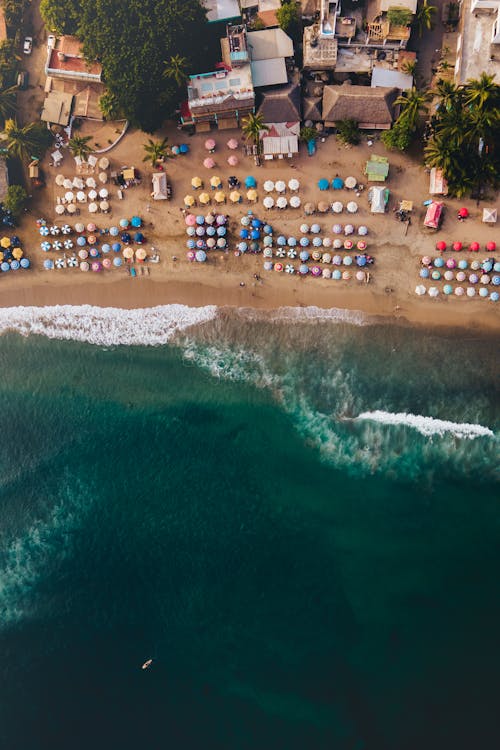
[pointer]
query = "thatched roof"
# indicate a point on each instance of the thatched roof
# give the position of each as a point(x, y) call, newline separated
point(281, 104)
point(369, 107)
point(312, 108)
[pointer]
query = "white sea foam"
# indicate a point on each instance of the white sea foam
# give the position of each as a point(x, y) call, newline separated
point(105, 326)
point(310, 313)
point(427, 426)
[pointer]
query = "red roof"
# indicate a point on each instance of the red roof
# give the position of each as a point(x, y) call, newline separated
point(73, 64)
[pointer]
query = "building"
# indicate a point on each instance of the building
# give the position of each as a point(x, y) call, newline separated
point(269, 50)
point(57, 108)
point(222, 10)
point(265, 10)
point(383, 29)
point(371, 108)
point(390, 78)
point(280, 108)
point(319, 43)
point(478, 40)
point(65, 60)
point(221, 98)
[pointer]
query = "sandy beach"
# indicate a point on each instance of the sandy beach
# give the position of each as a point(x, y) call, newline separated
point(394, 275)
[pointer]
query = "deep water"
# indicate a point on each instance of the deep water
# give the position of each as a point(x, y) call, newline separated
point(301, 578)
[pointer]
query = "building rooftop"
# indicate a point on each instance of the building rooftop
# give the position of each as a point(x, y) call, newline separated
point(57, 108)
point(281, 104)
point(67, 57)
point(360, 103)
point(212, 91)
point(221, 10)
point(269, 44)
point(475, 52)
point(320, 53)
point(408, 4)
point(269, 72)
point(388, 78)
point(3, 25)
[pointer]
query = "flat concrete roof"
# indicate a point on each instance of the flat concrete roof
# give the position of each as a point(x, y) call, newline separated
point(269, 44)
point(221, 10)
point(57, 108)
point(269, 72)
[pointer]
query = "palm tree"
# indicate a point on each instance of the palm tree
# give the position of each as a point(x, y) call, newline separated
point(22, 141)
point(482, 92)
point(155, 151)
point(410, 68)
point(175, 68)
point(8, 102)
point(425, 17)
point(79, 145)
point(252, 125)
point(412, 103)
point(447, 92)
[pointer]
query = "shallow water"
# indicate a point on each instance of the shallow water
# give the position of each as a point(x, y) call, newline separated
point(251, 506)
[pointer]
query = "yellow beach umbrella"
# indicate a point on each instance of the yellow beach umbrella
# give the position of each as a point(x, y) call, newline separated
point(220, 196)
point(215, 181)
point(128, 253)
point(204, 198)
point(1, 255)
point(5, 242)
point(17, 253)
point(196, 182)
point(140, 254)
point(252, 195)
point(234, 197)
point(189, 201)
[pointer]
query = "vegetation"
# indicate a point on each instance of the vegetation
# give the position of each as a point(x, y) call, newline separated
point(110, 107)
point(348, 132)
point(25, 142)
point(399, 16)
point(8, 63)
point(288, 17)
point(252, 126)
point(79, 146)
point(464, 135)
point(15, 200)
point(7, 102)
point(308, 134)
point(175, 68)
point(413, 104)
point(15, 13)
point(425, 17)
point(156, 151)
point(410, 68)
point(132, 40)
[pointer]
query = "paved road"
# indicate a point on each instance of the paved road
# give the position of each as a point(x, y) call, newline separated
point(30, 102)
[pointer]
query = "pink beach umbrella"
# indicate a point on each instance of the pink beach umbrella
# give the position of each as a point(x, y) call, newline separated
point(348, 245)
point(232, 143)
point(191, 255)
point(232, 160)
point(190, 220)
point(107, 263)
point(316, 271)
point(451, 263)
point(209, 163)
point(210, 144)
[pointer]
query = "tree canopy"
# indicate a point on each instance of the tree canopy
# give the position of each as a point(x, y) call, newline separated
point(132, 40)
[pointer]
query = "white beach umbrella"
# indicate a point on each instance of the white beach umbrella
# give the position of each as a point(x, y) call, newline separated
point(352, 207)
point(103, 162)
point(280, 186)
point(90, 182)
point(81, 197)
point(103, 193)
point(433, 291)
point(268, 186)
point(92, 208)
point(78, 183)
point(59, 209)
point(420, 290)
point(337, 207)
point(293, 184)
point(59, 180)
point(350, 182)
point(104, 206)
point(71, 208)
point(268, 202)
point(69, 196)
point(92, 195)
point(103, 177)
point(67, 184)
point(282, 202)
point(295, 201)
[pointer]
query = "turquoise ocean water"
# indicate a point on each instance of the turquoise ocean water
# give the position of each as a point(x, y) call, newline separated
point(296, 515)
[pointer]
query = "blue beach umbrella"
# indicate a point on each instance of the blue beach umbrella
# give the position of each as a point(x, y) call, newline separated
point(15, 241)
point(317, 241)
point(176, 150)
point(222, 231)
point(267, 229)
point(200, 219)
point(337, 275)
point(124, 223)
point(291, 242)
point(487, 266)
point(190, 231)
point(201, 256)
point(106, 248)
point(268, 241)
point(315, 229)
point(200, 231)
point(323, 184)
point(495, 280)
point(255, 234)
point(250, 182)
point(14, 264)
point(496, 267)
point(462, 264)
point(304, 255)
point(281, 240)
point(361, 260)
point(244, 234)
point(117, 261)
point(81, 241)
point(337, 183)
point(126, 238)
point(439, 262)
point(190, 244)
point(448, 289)
point(114, 231)
point(256, 223)
point(116, 247)
point(303, 269)
point(47, 264)
point(4, 266)
point(424, 273)
point(211, 231)
point(494, 296)
point(136, 221)
point(184, 148)
point(304, 241)
point(24, 263)
point(483, 292)
point(45, 246)
point(436, 275)
point(242, 247)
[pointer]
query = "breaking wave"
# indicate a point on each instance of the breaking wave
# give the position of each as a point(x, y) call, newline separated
point(105, 326)
point(428, 426)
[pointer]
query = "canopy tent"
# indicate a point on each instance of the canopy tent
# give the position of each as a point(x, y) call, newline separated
point(433, 215)
point(378, 197)
point(490, 215)
point(437, 183)
point(159, 181)
point(377, 168)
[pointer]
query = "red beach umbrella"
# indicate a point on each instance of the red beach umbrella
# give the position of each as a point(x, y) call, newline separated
point(491, 246)
point(474, 246)
point(457, 246)
point(464, 212)
point(441, 245)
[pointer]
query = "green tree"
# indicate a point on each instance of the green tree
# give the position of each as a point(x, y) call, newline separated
point(425, 17)
point(252, 125)
point(447, 92)
point(15, 200)
point(155, 151)
point(109, 106)
point(482, 92)
point(79, 145)
point(348, 132)
point(288, 17)
point(308, 134)
point(26, 141)
point(398, 138)
point(399, 16)
point(8, 102)
point(413, 103)
point(175, 68)
point(61, 17)
point(410, 68)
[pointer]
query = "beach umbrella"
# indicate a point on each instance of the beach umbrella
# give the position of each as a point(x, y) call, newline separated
point(200, 220)
point(191, 256)
point(304, 228)
point(96, 266)
point(483, 292)
point(81, 241)
point(346, 275)
point(24, 263)
point(278, 267)
point(348, 245)
point(90, 182)
point(281, 202)
point(190, 220)
point(17, 253)
point(315, 228)
point(250, 182)
point(496, 267)
point(103, 162)
point(348, 229)
point(438, 262)
point(316, 271)
point(67, 184)
point(484, 279)
point(471, 292)
point(84, 266)
point(4, 266)
point(291, 241)
point(71, 208)
point(91, 227)
point(55, 229)
point(92, 195)
point(189, 201)
point(459, 291)
point(474, 247)
point(15, 241)
point(104, 206)
point(46, 246)
point(457, 246)
point(494, 296)
point(69, 196)
point(215, 181)
point(57, 245)
point(323, 207)
point(361, 261)
point(337, 183)
point(281, 240)
point(208, 163)
point(66, 229)
point(424, 273)
point(269, 186)
point(196, 182)
point(221, 242)
point(327, 242)
point(463, 264)
point(495, 280)
point(336, 275)
point(79, 227)
point(59, 180)
point(323, 184)
point(475, 265)
point(463, 212)
point(94, 252)
point(244, 234)
point(294, 184)
point(433, 291)
point(256, 223)
point(303, 269)
point(449, 275)
point(317, 242)
point(487, 265)
point(138, 237)
point(91, 239)
point(78, 183)
point(211, 242)
point(460, 276)
point(363, 231)
point(309, 209)
point(204, 199)
point(289, 268)
point(232, 160)
point(436, 275)
point(184, 148)
point(252, 194)
point(128, 253)
point(245, 220)
point(326, 273)
point(268, 241)
point(361, 245)
point(200, 231)
point(47, 264)
point(176, 150)
point(59, 210)
point(268, 266)
point(136, 221)
point(491, 246)
point(140, 254)
point(221, 232)
point(292, 253)
point(210, 144)
point(350, 183)
point(232, 143)
point(103, 178)
point(81, 197)
point(234, 196)
point(451, 263)
point(201, 256)
point(116, 247)
point(190, 244)
point(347, 260)
point(211, 230)
point(210, 219)
point(280, 186)
point(242, 247)
point(124, 223)
point(420, 290)
point(473, 278)
point(352, 207)
point(327, 258)
point(107, 263)
point(304, 255)
point(337, 243)
point(126, 237)
point(337, 228)
point(268, 252)
point(337, 260)
point(441, 246)
point(304, 241)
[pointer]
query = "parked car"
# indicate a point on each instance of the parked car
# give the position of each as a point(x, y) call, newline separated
point(51, 41)
point(22, 80)
point(28, 45)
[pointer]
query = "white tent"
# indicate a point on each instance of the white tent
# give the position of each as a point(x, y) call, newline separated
point(490, 215)
point(159, 180)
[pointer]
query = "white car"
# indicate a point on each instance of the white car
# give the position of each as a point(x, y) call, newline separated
point(51, 41)
point(28, 45)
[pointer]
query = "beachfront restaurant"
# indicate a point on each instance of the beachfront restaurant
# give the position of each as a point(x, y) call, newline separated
point(218, 99)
